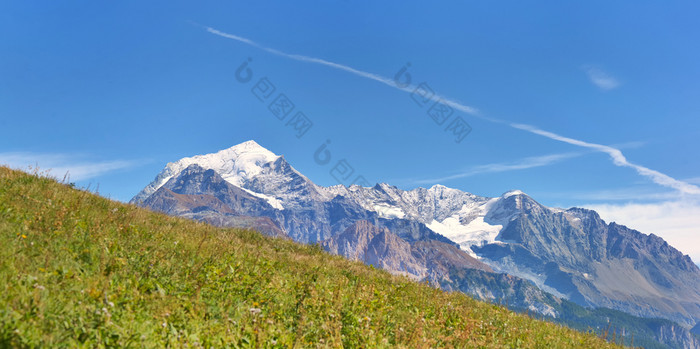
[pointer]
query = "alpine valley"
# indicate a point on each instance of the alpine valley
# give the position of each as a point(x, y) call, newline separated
point(567, 265)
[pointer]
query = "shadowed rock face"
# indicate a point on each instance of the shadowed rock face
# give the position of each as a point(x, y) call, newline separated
point(172, 203)
point(204, 196)
point(365, 242)
point(421, 260)
point(597, 264)
point(194, 180)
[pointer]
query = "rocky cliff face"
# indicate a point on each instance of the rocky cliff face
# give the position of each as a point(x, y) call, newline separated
point(379, 247)
point(426, 259)
point(203, 195)
point(677, 336)
point(593, 263)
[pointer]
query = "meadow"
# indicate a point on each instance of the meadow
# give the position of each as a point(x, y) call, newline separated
point(80, 271)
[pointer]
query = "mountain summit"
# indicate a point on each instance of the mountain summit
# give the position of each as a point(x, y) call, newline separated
point(236, 165)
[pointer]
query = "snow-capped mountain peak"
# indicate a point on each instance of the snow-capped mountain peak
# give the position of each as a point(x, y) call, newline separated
point(511, 193)
point(240, 162)
point(237, 165)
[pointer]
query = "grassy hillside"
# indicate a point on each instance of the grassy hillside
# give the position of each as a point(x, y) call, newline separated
point(77, 270)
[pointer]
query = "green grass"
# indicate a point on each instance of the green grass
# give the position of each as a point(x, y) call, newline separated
point(78, 270)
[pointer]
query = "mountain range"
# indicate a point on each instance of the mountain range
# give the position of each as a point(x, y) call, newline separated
point(550, 261)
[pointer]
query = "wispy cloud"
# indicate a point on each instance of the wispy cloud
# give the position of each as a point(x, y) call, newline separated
point(675, 221)
point(606, 81)
point(301, 58)
point(619, 160)
point(601, 79)
point(73, 166)
point(525, 163)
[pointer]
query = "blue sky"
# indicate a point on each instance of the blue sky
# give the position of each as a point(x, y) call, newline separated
point(111, 92)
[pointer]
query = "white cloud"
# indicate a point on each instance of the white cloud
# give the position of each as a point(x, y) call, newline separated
point(525, 163)
point(58, 165)
point(601, 79)
point(677, 222)
point(619, 160)
point(384, 80)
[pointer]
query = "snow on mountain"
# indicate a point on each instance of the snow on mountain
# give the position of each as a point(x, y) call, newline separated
point(467, 219)
point(469, 226)
point(236, 165)
point(511, 193)
point(273, 201)
point(464, 218)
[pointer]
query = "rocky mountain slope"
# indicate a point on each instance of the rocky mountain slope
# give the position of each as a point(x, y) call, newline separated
point(421, 260)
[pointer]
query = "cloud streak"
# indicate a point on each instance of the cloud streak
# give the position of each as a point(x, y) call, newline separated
point(601, 79)
point(618, 159)
point(597, 77)
point(301, 58)
point(523, 164)
point(59, 165)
